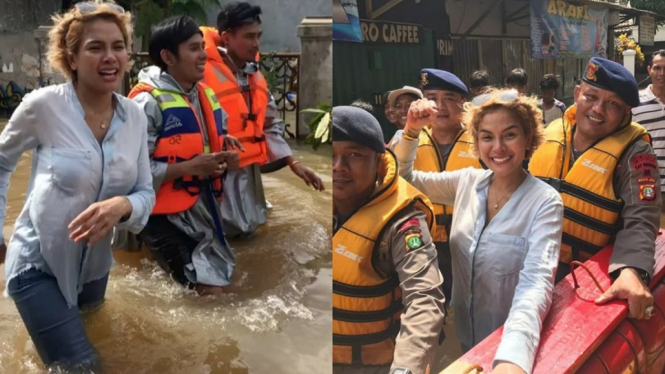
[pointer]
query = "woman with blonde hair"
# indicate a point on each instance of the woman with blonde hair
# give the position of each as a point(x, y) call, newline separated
point(90, 172)
point(506, 234)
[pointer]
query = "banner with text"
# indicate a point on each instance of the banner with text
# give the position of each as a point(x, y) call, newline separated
point(562, 29)
point(346, 23)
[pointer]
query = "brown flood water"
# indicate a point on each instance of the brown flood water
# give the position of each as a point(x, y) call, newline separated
point(276, 317)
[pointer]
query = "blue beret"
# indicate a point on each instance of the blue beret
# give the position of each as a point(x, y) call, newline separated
point(612, 76)
point(357, 125)
point(433, 79)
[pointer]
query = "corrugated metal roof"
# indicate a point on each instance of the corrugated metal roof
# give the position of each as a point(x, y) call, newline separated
point(622, 7)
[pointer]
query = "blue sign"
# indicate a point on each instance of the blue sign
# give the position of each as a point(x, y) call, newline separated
point(346, 23)
point(562, 29)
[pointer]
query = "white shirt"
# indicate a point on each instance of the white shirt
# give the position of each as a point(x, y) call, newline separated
point(504, 273)
point(71, 171)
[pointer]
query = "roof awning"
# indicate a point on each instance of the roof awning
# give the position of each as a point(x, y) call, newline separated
point(624, 9)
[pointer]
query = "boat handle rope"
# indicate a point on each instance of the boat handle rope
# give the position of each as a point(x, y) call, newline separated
point(572, 271)
point(476, 367)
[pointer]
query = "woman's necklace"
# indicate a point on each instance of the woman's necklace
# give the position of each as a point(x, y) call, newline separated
point(496, 205)
point(102, 124)
point(498, 201)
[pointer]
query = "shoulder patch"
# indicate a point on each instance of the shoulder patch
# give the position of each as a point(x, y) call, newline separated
point(647, 188)
point(413, 222)
point(413, 241)
point(644, 161)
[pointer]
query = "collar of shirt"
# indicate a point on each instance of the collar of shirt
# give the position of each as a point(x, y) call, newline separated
point(647, 95)
point(118, 106)
point(193, 92)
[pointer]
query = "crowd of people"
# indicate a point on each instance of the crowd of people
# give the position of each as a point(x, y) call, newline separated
point(175, 165)
point(498, 192)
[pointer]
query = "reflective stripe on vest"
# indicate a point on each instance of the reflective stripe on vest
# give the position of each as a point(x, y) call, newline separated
point(592, 207)
point(181, 139)
point(244, 123)
point(429, 158)
point(367, 307)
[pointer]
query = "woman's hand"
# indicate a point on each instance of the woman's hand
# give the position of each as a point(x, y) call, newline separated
point(421, 113)
point(96, 221)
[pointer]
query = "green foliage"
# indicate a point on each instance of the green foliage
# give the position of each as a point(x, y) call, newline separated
point(269, 70)
point(320, 126)
point(656, 6)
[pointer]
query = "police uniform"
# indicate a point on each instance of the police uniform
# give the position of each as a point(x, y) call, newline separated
point(435, 157)
point(388, 306)
point(611, 191)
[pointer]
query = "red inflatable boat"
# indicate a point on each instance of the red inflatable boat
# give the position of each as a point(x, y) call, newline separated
point(581, 337)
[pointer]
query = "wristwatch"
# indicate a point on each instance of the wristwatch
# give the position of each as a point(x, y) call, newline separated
point(401, 371)
point(643, 274)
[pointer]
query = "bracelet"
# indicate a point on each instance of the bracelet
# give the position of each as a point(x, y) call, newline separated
point(407, 137)
point(293, 163)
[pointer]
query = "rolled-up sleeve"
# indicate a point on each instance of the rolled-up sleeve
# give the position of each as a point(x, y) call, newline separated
point(18, 136)
point(142, 196)
point(440, 188)
point(276, 146)
point(533, 295)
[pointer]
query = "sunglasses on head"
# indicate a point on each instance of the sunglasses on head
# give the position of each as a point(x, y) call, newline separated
point(508, 95)
point(89, 7)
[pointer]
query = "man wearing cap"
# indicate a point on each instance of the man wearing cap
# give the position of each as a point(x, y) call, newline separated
point(400, 100)
point(604, 167)
point(388, 307)
point(445, 145)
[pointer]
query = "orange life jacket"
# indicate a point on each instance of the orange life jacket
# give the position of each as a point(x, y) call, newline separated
point(366, 306)
point(429, 158)
point(245, 122)
point(180, 140)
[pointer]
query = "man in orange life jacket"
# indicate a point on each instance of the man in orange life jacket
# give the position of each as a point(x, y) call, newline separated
point(445, 145)
point(388, 306)
point(232, 71)
point(186, 143)
point(604, 167)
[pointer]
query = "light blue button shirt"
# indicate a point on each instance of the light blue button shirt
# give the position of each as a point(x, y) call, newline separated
point(71, 171)
point(503, 273)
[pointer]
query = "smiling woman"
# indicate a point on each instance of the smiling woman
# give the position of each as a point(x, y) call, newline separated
point(90, 172)
point(505, 246)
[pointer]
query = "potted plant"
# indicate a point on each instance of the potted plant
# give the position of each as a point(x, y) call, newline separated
point(320, 126)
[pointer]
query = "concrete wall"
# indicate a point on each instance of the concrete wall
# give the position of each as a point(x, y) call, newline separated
point(280, 21)
point(315, 65)
point(19, 53)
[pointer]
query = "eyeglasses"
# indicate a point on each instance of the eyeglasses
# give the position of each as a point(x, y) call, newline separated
point(508, 95)
point(89, 7)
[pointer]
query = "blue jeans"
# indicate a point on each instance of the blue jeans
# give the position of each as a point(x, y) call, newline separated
point(56, 330)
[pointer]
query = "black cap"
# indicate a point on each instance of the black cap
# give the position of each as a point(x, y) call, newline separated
point(434, 79)
point(357, 125)
point(611, 76)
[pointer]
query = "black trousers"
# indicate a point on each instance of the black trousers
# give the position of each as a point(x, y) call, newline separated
point(170, 247)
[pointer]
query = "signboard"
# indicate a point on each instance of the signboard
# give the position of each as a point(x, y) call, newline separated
point(346, 23)
point(647, 30)
point(563, 29)
point(427, 14)
point(389, 32)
